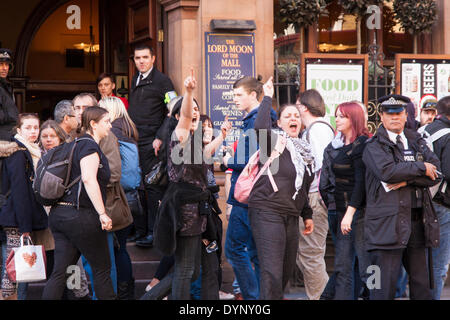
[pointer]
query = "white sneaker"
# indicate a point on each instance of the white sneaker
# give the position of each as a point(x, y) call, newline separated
point(225, 296)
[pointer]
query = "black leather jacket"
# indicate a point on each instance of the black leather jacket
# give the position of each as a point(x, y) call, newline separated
point(8, 110)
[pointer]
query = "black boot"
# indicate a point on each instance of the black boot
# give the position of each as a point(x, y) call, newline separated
point(131, 290)
point(125, 290)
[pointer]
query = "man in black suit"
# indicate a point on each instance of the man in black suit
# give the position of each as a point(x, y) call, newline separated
point(150, 92)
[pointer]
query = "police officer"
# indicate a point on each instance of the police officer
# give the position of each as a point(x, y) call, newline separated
point(150, 92)
point(400, 222)
point(8, 110)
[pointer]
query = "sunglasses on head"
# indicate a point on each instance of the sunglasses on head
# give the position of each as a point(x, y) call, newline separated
point(430, 105)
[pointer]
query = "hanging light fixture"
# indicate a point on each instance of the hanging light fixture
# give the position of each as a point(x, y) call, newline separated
point(87, 47)
point(91, 47)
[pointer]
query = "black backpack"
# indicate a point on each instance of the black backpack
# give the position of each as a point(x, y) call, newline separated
point(52, 177)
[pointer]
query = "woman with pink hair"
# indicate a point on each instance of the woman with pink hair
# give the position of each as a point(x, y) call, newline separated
point(343, 162)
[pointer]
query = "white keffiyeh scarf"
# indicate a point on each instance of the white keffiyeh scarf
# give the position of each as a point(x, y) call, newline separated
point(301, 156)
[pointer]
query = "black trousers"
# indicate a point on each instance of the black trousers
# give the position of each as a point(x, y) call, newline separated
point(415, 260)
point(276, 238)
point(78, 232)
point(155, 193)
point(138, 207)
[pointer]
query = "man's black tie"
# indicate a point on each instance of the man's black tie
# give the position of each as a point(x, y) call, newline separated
point(399, 143)
point(141, 77)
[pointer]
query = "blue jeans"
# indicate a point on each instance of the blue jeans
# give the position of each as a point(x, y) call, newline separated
point(333, 224)
point(4, 257)
point(348, 247)
point(196, 287)
point(240, 250)
point(113, 274)
point(441, 255)
point(122, 258)
point(235, 286)
point(401, 283)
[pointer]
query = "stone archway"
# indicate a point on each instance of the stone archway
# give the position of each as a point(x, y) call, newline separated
point(47, 69)
point(42, 11)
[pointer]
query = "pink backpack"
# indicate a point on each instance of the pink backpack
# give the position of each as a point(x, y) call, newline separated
point(250, 174)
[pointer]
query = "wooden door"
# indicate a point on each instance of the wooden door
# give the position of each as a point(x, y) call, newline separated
point(142, 28)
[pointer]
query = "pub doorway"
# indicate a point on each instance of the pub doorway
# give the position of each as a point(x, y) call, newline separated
point(65, 45)
point(64, 56)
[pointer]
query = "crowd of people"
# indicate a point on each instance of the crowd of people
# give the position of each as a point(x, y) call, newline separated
point(143, 171)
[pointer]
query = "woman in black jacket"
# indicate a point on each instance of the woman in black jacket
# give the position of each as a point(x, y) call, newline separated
point(21, 213)
point(344, 162)
point(274, 215)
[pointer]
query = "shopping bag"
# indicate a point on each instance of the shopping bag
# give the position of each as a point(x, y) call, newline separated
point(26, 263)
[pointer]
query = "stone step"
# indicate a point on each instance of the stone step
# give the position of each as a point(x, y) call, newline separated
point(142, 254)
point(144, 269)
point(35, 289)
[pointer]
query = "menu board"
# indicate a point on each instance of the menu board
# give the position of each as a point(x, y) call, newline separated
point(423, 76)
point(337, 77)
point(336, 83)
point(229, 57)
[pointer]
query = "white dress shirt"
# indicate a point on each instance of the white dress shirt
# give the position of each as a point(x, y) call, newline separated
point(145, 75)
point(393, 138)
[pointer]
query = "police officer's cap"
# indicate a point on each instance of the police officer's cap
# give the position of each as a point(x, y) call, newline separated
point(393, 103)
point(5, 55)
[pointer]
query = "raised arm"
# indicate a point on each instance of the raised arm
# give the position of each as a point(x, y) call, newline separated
point(185, 122)
point(263, 119)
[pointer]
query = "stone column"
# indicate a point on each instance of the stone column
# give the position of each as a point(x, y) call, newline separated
point(184, 43)
point(187, 22)
point(441, 31)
